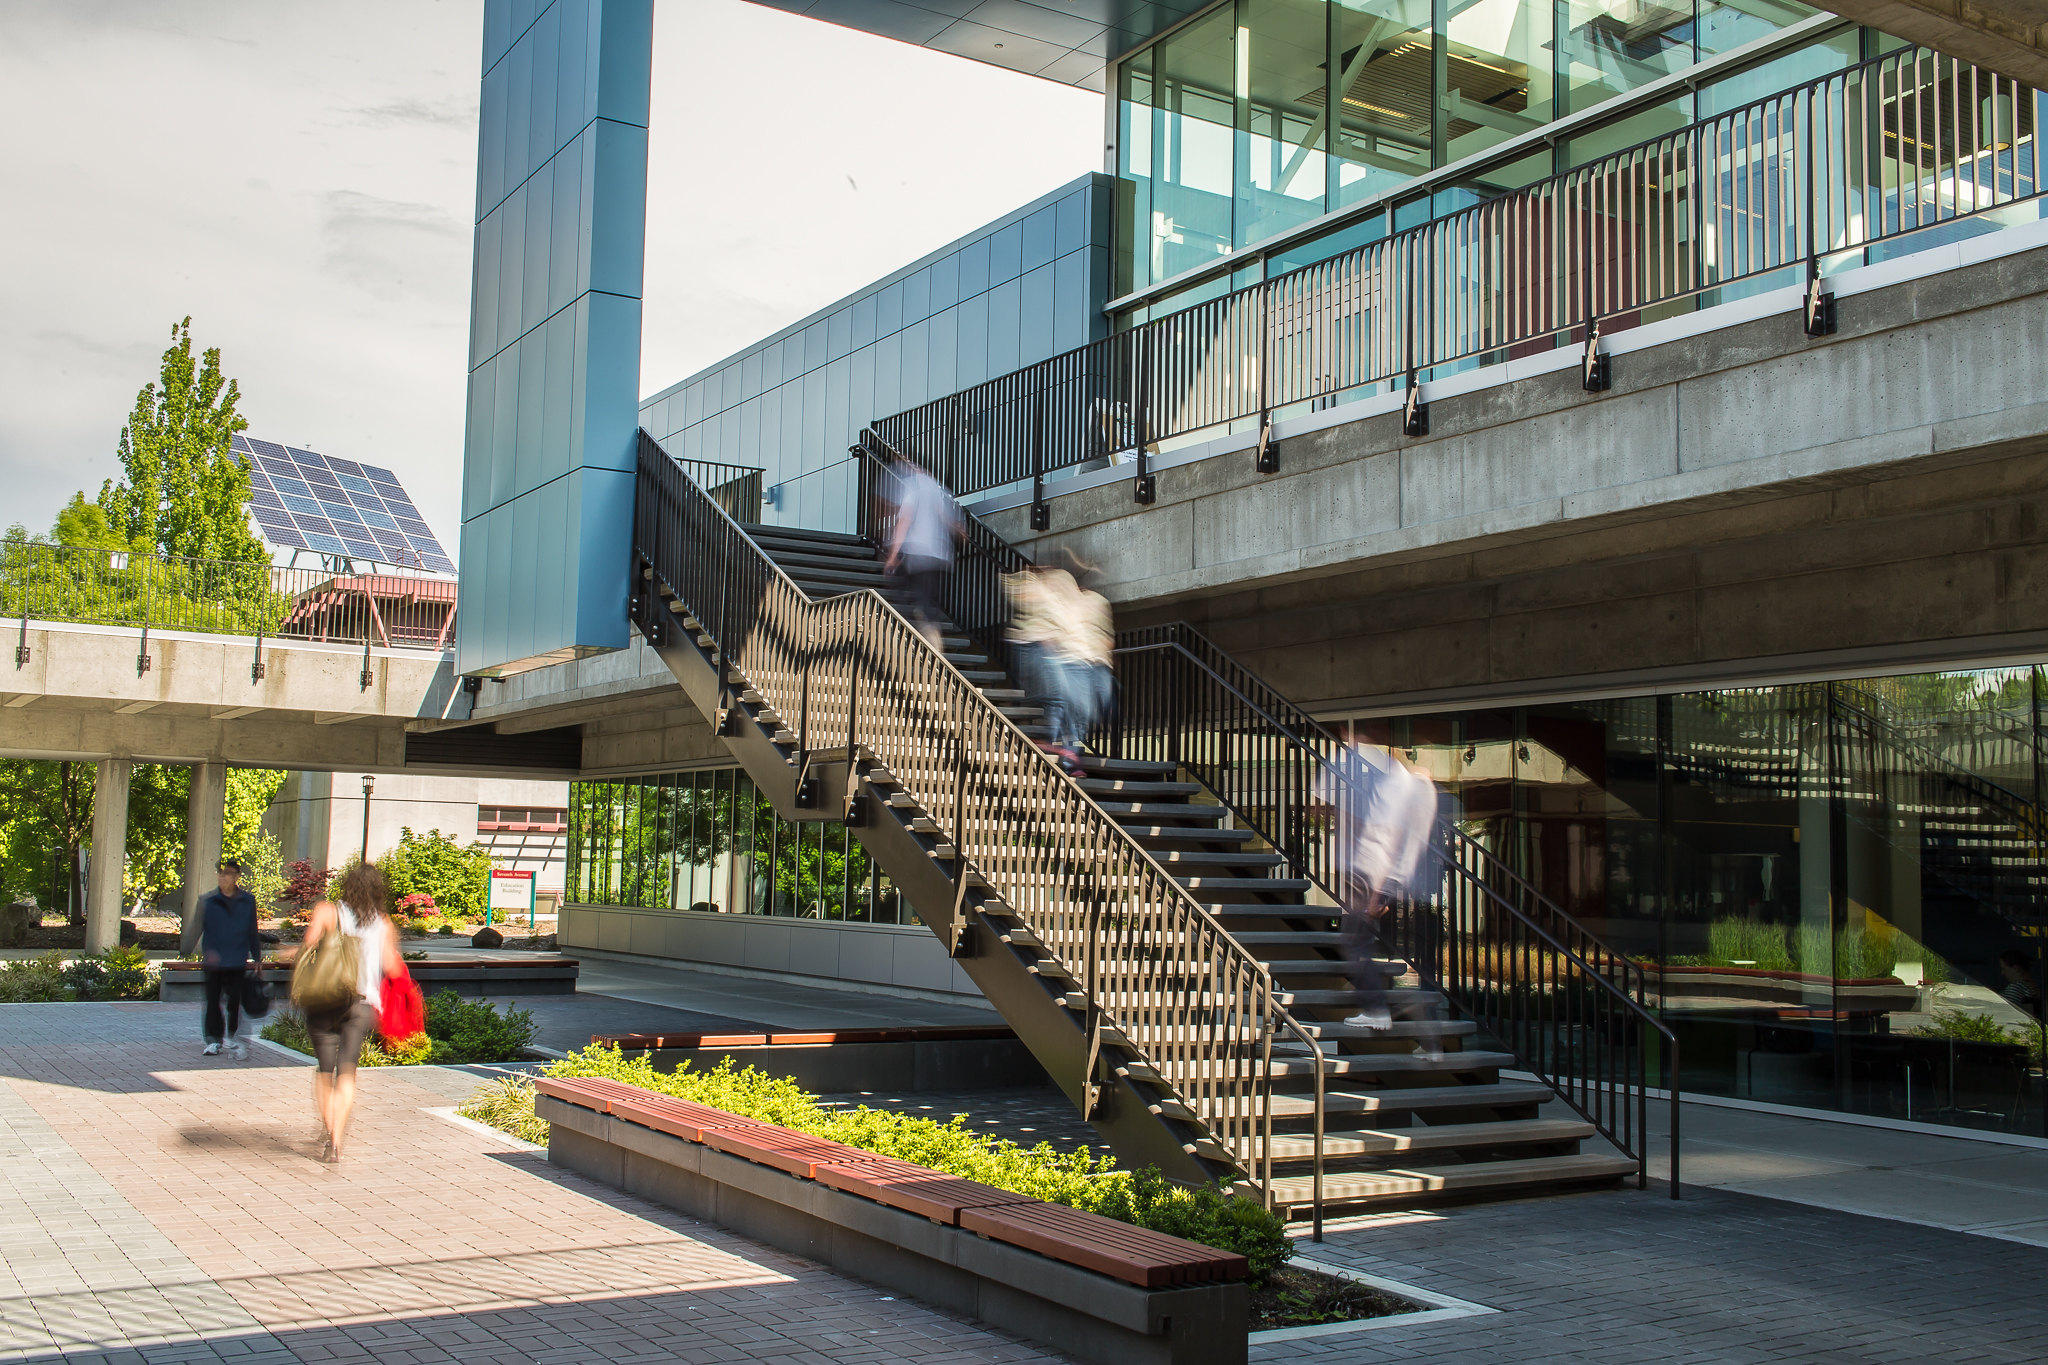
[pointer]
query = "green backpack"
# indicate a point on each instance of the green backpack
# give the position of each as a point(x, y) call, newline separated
point(324, 977)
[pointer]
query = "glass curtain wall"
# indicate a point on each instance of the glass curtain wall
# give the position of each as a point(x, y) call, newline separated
point(710, 842)
point(1225, 129)
point(1838, 888)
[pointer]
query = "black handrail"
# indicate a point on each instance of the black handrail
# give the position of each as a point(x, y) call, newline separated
point(1204, 1016)
point(1571, 1008)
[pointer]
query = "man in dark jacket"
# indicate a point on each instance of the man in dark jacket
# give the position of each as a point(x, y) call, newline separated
point(228, 941)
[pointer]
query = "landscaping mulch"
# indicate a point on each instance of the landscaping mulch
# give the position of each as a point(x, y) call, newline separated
point(1295, 1297)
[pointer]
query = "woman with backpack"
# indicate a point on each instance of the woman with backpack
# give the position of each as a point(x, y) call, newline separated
point(337, 981)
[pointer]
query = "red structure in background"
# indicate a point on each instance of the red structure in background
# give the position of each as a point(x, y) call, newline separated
point(385, 609)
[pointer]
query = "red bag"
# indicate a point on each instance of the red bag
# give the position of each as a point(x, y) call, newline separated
point(401, 1009)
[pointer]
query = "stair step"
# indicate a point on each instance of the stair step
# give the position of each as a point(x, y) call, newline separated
point(1160, 810)
point(1180, 857)
point(1435, 1137)
point(1263, 885)
point(1149, 835)
point(1283, 938)
point(768, 530)
point(1135, 787)
point(1362, 1064)
point(1341, 999)
point(855, 559)
point(1144, 769)
point(1263, 912)
point(1354, 1187)
point(1415, 1099)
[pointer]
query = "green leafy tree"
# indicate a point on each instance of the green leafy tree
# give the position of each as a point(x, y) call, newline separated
point(159, 798)
point(262, 868)
point(83, 525)
point(45, 823)
point(433, 864)
point(182, 490)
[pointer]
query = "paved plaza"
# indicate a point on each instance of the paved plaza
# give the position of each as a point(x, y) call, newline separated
point(158, 1206)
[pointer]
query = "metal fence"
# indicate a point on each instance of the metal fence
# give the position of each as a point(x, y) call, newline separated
point(1892, 146)
point(218, 597)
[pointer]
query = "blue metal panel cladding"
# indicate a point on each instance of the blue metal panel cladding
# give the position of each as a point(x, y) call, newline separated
point(554, 357)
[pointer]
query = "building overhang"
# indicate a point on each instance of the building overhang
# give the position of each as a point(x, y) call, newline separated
point(1068, 41)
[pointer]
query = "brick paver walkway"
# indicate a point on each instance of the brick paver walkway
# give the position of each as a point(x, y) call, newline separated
point(160, 1206)
point(1627, 1278)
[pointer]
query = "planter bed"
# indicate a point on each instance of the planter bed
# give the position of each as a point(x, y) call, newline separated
point(1089, 1286)
point(906, 1059)
point(186, 982)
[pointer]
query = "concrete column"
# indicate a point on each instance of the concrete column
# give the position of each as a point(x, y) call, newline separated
point(109, 854)
point(205, 813)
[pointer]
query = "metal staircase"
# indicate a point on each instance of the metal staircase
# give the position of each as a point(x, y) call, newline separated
point(1159, 955)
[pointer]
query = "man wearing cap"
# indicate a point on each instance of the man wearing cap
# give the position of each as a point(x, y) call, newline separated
point(228, 941)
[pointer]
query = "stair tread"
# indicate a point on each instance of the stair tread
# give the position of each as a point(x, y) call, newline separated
point(1499, 1095)
point(1434, 1137)
point(1470, 1175)
point(761, 529)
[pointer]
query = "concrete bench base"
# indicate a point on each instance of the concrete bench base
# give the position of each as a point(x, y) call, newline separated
point(1085, 1315)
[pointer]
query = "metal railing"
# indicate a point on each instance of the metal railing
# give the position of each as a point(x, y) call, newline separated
point(737, 488)
point(219, 597)
point(1889, 147)
point(1570, 1008)
point(851, 672)
point(977, 602)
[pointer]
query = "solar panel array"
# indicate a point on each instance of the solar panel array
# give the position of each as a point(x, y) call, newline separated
point(306, 501)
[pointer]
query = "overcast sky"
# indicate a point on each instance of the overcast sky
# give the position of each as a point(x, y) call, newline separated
point(299, 177)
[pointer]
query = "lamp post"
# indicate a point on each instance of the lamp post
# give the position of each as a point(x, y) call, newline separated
point(369, 783)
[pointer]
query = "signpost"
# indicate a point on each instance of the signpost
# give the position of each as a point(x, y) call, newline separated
point(512, 893)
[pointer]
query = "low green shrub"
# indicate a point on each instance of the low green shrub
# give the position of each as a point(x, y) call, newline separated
point(1078, 1179)
point(507, 1105)
point(474, 1031)
point(34, 980)
point(123, 973)
point(458, 1031)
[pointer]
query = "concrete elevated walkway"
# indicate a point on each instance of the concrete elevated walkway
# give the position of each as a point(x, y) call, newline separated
point(1744, 502)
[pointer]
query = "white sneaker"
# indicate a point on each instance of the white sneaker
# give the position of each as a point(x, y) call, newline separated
point(210, 1050)
point(1379, 1020)
point(240, 1049)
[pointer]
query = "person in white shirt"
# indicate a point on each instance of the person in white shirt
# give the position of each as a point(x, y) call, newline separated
point(364, 915)
point(1388, 810)
point(921, 544)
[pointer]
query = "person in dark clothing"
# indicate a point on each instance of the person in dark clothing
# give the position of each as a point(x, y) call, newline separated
point(228, 941)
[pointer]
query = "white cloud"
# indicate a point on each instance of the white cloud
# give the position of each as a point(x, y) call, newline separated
point(300, 178)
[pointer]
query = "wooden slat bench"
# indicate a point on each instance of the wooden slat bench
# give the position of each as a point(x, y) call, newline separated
point(1090, 1286)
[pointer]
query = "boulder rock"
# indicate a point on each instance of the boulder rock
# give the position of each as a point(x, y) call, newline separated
point(16, 920)
point(487, 937)
point(546, 943)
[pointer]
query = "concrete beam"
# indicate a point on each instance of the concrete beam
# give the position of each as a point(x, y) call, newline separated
point(109, 854)
point(2006, 36)
point(97, 664)
point(205, 814)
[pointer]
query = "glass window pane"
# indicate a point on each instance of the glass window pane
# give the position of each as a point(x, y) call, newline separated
point(1496, 73)
point(1283, 73)
point(1193, 134)
point(1613, 46)
point(1385, 49)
